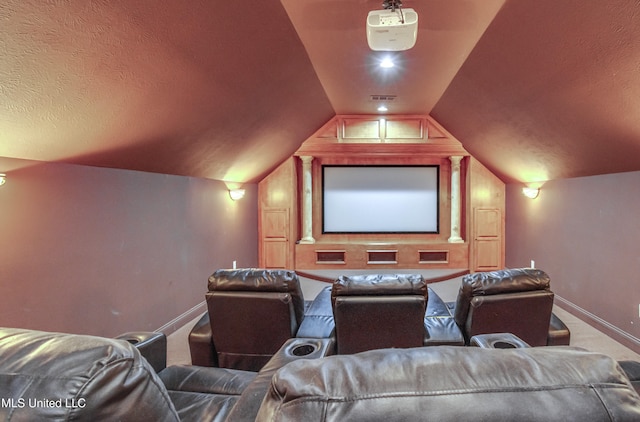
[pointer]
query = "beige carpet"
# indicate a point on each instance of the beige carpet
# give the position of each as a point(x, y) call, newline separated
point(582, 334)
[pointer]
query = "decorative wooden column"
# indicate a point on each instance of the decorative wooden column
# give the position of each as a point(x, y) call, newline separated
point(455, 199)
point(307, 187)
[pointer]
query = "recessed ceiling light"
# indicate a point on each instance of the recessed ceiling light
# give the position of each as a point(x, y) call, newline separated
point(382, 108)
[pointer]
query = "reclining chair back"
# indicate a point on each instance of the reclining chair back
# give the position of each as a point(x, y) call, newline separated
point(378, 311)
point(252, 312)
point(55, 376)
point(453, 384)
point(517, 301)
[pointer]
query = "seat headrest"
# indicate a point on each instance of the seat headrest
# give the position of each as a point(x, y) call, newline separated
point(380, 285)
point(451, 383)
point(498, 282)
point(254, 279)
point(505, 281)
point(80, 377)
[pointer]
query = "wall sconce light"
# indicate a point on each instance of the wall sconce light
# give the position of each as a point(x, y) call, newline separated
point(3, 179)
point(236, 194)
point(530, 192)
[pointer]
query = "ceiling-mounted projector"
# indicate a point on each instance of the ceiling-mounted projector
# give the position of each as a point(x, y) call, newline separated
point(392, 30)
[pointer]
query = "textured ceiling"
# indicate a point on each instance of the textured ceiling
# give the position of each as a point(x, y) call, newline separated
point(536, 90)
point(175, 87)
point(552, 90)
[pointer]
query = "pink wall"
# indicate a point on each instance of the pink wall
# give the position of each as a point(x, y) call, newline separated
point(584, 232)
point(102, 251)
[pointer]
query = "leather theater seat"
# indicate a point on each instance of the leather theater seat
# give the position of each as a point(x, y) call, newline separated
point(86, 378)
point(318, 319)
point(251, 313)
point(379, 311)
point(94, 378)
point(439, 326)
point(517, 301)
point(453, 384)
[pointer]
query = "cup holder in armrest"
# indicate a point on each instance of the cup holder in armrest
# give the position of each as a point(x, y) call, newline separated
point(498, 341)
point(303, 349)
point(503, 345)
point(294, 349)
point(312, 348)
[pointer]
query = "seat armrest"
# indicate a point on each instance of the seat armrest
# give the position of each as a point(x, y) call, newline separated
point(632, 370)
point(152, 346)
point(442, 331)
point(201, 347)
point(559, 334)
point(199, 379)
point(498, 341)
point(247, 407)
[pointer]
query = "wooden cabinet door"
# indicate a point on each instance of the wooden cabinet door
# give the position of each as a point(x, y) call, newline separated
point(275, 238)
point(275, 254)
point(487, 239)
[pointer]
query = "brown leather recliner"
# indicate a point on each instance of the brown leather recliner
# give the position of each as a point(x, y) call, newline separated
point(251, 313)
point(517, 301)
point(64, 377)
point(379, 311)
point(440, 326)
point(453, 384)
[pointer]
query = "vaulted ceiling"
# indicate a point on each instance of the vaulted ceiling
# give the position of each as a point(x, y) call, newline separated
point(536, 90)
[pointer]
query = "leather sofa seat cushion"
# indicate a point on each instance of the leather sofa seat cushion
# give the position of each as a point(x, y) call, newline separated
point(204, 394)
point(318, 319)
point(451, 383)
point(441, 328)
point(207, 380)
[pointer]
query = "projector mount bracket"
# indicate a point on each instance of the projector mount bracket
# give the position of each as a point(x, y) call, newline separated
point(391, 4)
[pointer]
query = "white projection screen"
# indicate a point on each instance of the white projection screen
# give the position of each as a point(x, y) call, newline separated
point(380, 199)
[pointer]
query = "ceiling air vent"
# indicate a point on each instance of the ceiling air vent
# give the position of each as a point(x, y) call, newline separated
point(383, 97)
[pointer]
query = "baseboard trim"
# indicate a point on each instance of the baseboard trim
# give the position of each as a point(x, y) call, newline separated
point(609, 329)
point(182, 319)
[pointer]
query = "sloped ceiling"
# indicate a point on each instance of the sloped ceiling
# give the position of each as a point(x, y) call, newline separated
point(536, 90)
point(333, 33)
point(552, 90)
point(201, 88)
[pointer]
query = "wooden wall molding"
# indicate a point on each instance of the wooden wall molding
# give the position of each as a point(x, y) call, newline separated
point(372, 135)
point(388, 140)
point(372, 255)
